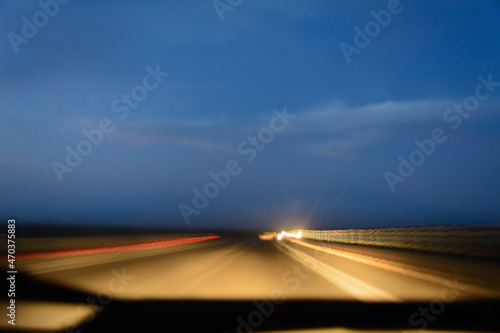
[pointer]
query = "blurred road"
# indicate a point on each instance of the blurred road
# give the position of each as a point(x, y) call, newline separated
point(246, 269)
point(252, 269)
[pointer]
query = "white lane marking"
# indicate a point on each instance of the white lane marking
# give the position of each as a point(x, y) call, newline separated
point(351, 285)
point(420, 273)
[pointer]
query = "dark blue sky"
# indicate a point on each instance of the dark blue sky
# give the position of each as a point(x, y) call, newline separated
point(334, 165)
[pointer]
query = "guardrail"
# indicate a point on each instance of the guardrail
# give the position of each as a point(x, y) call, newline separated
point(468, 240)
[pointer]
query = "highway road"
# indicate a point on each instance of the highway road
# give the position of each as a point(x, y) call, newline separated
point(243, 284)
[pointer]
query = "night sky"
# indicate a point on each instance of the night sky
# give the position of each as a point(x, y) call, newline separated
point(310, 114)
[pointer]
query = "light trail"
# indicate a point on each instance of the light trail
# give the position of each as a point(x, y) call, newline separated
point(421, 273)
point(115, 247)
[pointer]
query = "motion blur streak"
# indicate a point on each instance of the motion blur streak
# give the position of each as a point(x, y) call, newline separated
point(469, 240)
point(398, 267)
point(116, 247)
point(238, 275)
point(351, 285)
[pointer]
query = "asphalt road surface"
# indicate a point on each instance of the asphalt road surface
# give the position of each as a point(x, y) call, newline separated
point(244, 284)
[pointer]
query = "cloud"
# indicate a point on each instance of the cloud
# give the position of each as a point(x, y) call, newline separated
point(337, 116)
point(334, 130)
point(347, 145)
point(199, 133)
point(341, 131)
point(170, 138)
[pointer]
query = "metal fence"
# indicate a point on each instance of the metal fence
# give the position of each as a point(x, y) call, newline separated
point(469, 240)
